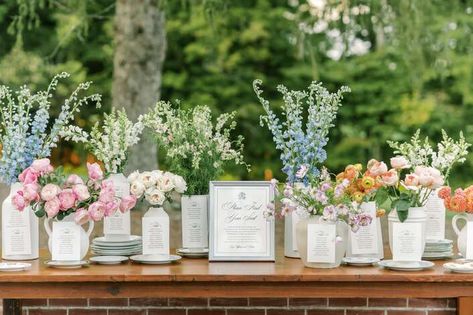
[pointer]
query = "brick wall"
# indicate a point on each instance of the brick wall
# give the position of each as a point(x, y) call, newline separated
point(241, 306)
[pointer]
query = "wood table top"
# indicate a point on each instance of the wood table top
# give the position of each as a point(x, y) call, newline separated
point(200, 270)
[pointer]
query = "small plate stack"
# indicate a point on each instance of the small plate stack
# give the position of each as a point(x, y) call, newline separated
point(103, 247)
point(438, 249)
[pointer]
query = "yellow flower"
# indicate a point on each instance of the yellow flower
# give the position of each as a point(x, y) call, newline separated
point(358, 167)
point(367, 182)
point(358, 196)
point(380, 213)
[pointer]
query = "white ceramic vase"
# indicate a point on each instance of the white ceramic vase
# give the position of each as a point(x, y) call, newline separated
point(117, 227)
point(194, 216)
point(16, 245)
point(340, 245)
point(415, 215)
point(290, 234)
point(461, 234)
point(84, 235)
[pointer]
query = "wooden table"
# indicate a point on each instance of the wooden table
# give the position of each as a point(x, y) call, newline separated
point(199, 278)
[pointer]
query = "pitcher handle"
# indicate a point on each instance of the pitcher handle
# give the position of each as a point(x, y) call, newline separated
point(47, 227)
point(91, 228)
point(460, 216)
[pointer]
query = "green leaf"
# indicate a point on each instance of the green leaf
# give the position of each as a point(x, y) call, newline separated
point(381, 196)
point(402, 215)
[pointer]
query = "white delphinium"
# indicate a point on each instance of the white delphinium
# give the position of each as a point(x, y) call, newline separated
point(110, 143)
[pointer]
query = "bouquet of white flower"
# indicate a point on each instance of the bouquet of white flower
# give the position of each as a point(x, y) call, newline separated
point(111, 144)
point(155, 186)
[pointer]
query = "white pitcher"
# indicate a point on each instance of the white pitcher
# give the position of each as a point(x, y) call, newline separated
point(84, 236)
point(461, 234)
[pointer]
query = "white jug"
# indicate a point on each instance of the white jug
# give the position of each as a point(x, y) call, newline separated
point(461, 234)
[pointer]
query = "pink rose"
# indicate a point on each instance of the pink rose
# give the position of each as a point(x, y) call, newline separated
point(377, 168)
point(127, 203)
point(81, 191)
point(42, 166)
point(107, 192)
point(95, 172)
point(411, 180)
point(96, 211)
point(74, 180)
point(30, 192)
point(52, 207)
point(110, 208)
point(28, 176)
point(81, 216)
point(49, 192)
point(67, 199)
point(390, 178)
point(399, 162)
point(19, 201)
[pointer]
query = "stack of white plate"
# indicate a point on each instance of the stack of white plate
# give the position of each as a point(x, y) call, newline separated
point(193, 252)
point(438, 249)
point(103, 247)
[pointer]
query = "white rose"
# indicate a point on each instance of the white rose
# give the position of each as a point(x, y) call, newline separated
point(399, 162)
point(137, 188)
point(133, 176)
point(180, 183)
point(165, 182)
point(147, 179)
point(155, 197)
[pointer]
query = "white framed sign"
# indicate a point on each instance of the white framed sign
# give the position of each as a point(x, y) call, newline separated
point(239, 230)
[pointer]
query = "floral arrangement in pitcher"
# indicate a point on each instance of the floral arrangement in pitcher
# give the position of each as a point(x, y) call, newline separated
point(195, 147)
point(156, 187)
point(300, 139)
point(50, 193)
point(110, 143)
point(327, 198)
point(26, 130)
point(460, 201)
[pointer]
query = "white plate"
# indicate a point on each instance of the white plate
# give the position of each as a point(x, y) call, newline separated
point(100, 253)
point(196, 251)
point(155, 259)
point(14, 266)
point(406, 265)
point(133, 238)
point(360, 261)
point(108, 260)
point(438, 242)
point(66, 264)
point(461, 267)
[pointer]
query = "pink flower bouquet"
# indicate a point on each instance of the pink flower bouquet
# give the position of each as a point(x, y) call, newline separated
point(50, 193)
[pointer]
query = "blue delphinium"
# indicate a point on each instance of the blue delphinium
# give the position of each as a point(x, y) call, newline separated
point(24, 123)
point(302, 148)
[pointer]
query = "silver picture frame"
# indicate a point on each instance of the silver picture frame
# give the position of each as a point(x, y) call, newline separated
point(227, 202)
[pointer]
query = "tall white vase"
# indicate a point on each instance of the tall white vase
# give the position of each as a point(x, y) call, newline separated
point(20, 230)
point(290, 235)
point(156, 231)
point(118, 226)
point(416, 215)
point(194, 216)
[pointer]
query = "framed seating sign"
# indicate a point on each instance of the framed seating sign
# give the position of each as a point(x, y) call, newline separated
point(239, 230)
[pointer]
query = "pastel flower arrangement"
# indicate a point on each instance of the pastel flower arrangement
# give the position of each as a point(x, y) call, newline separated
point(27, 132)
point(460, 201)
point(303, 135)
point(328, 198)
point(111, 141)
point(195, 147)
point(156, 187)
point(51, 194)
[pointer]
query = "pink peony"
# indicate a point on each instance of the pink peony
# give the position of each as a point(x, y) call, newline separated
point(74, 180)
point(49, 192)
point(107, 192)
point(30, 192)
point(377, 168)
point(81, 216)
point(399, 162)
point(411, 180)
point(19, 201)
point(127, 203)
point(96, 211)
point(67, 199)
point(390, 178)
point(28, 176)
point(42, 166)
point(110, 208)
point(95, 172)
point(52, 207)
point(81, 191)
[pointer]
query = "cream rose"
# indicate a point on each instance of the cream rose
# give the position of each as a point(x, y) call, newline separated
point(155, 197)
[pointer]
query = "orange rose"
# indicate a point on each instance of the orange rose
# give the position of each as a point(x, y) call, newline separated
point(458, 203)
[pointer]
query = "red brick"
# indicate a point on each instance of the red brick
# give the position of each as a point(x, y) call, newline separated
point(229, 302)
point(438, 303)
point(34, 302)
point(392, 302)
point(285, 312)
point(205, 311)
point(83, 311)
point(126, 312)
point(406, 313)
point(364, 312)
point(347, 302)
point(187, 302)
point(325, 312)
point(452, 303)
point(166, 312)
point(47, 312)
point(108, 302)
point(308, 302)
point(445, 312)
point(149, 302)
point(67, 302)
point(268, 302)
point(245, 312)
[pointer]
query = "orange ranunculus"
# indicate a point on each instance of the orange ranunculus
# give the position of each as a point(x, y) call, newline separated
point(340, 176)
point(350, 172)
point(380, 213)
point(367, 182)
point(358, 196)
point(457, 203)
point(445, 192)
